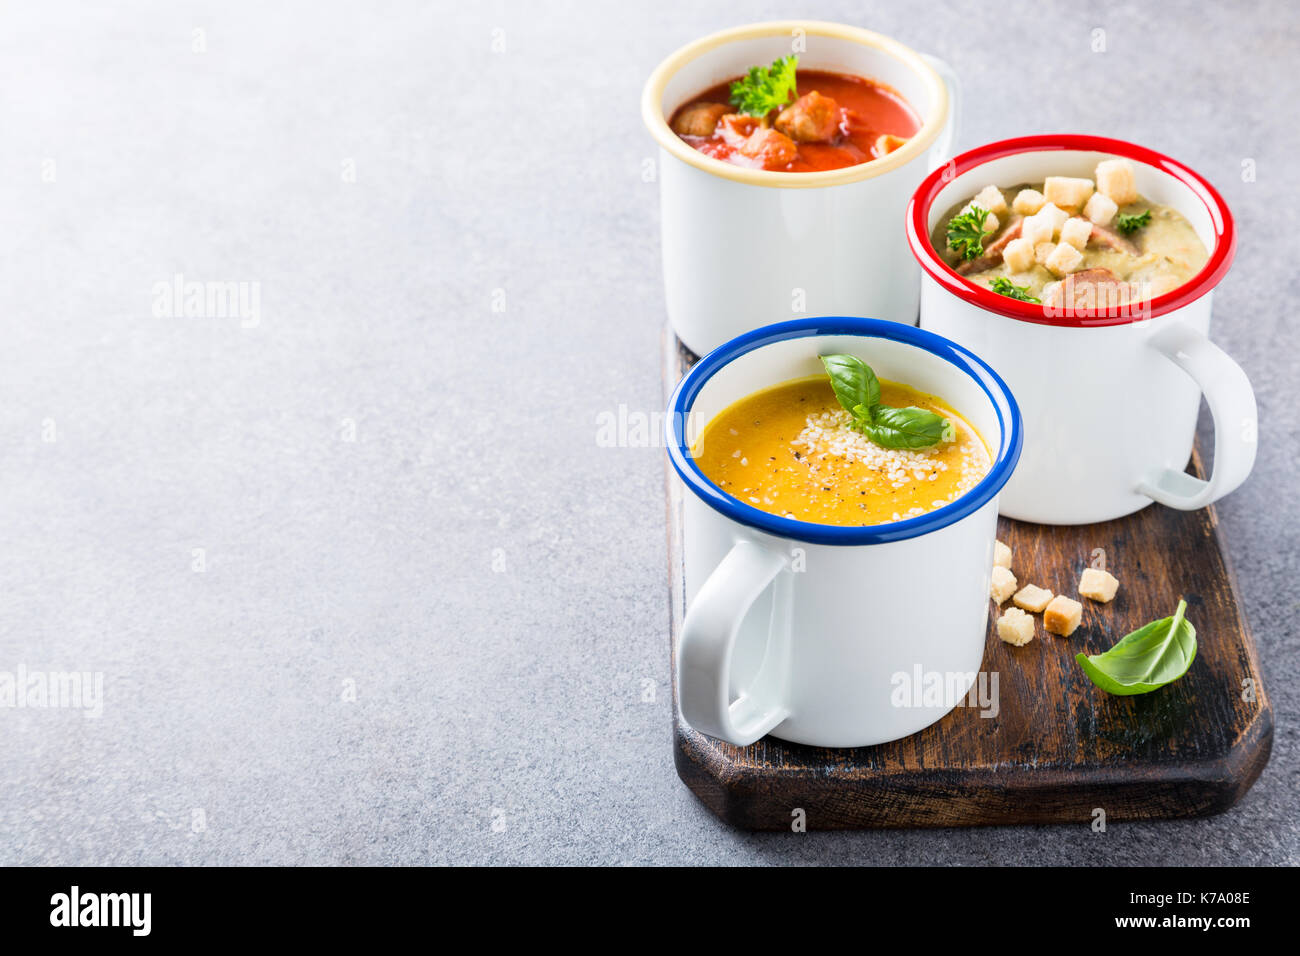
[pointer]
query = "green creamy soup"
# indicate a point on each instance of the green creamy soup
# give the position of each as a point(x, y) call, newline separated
point(1155, 255)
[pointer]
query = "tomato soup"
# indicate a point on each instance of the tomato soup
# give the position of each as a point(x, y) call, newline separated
point(837, 120)
point(788, 450)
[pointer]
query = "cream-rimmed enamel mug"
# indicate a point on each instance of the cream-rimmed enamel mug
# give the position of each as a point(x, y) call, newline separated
point(802, 630)
point(739, 244)
point(1110, 396)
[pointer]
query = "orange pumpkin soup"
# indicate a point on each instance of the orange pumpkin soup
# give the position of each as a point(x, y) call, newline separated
point(789, 450)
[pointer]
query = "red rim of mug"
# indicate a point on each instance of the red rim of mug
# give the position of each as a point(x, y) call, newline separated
point(918, 233)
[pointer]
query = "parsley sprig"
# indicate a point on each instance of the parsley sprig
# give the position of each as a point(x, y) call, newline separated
point(1004, 286)
point(1131, 224)
point(764, 89)
point(966, 232)
point(858, 390)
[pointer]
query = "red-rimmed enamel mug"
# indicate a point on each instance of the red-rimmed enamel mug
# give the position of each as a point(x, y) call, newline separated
point(1109, 396)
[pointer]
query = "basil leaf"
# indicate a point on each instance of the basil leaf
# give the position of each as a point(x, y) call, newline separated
point(909, 427)
point(1154, 655)
point(853, 381)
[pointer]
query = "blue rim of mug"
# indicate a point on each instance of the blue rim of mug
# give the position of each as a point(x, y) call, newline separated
point(1004, 405)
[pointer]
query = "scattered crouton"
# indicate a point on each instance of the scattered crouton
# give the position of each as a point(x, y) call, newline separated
point(1067, 192)
point(1016, 627)
point(1100, 209)
point(1115, 179)
point(1028, 202)
point(1032, 598)
point(1098, 585)
point(1003, 584)
point(1076, 232)
point(1001, 555)
point(1041, 252)
point(1062, 615)
point(1064, 259)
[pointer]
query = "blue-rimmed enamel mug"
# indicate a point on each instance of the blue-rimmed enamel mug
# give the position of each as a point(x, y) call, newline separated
point(802, 630)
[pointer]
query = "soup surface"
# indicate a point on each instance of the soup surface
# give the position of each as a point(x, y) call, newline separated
point(1098, 245)
point(838, 120)
point(789, 450)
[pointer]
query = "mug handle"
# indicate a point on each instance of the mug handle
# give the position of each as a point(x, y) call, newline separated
point(941, 151)
point(708, 638)
point(1232, 405)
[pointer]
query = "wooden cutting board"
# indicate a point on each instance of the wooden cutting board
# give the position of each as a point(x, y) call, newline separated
point(1059, 748)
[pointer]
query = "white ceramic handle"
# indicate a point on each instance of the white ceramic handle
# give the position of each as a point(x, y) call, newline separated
point(941, 151)
point(1232, 404)
point(709, 637)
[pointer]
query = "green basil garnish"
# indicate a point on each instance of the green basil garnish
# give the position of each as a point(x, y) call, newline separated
point(854, 382)
point(1154, 655)
point(858, 390)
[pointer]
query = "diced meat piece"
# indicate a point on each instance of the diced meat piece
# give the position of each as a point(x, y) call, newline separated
point(992, 251)
point(1092, 289)
point(886, 143)
point(1111, 239)
point(735, 128)
point(699, 119)
point(771, 147)
point(812, 118)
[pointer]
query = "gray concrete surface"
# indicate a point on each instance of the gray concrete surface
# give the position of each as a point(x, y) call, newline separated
point(430, 606)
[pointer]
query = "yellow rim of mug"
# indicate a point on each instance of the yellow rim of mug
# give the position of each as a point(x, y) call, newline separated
point(653, 115)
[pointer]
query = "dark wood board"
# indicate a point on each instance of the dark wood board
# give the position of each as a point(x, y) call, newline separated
point(1059, 748)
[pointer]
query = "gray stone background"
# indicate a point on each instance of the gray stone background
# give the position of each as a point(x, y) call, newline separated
point(489, 581)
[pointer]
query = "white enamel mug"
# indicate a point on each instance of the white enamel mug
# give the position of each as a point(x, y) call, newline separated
point(1110, 396)
point(740, 244)
point(802, 630)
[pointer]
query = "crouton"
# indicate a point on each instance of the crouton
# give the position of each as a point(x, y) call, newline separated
point(1076, 232)
point(1064, 259)
point(1100, 209)
point(1115, 179)
point(1016, 627)
point(1098, 585)
point(1001, 555)
point(1028, 202)
point(1036, 229)
point(1032, 598)
point(1055, 215)
point(991, 198)
point(1067, 192)
point(1003, 584)
point(1063, 615)
point(1042, 250)
point(1018, 255)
